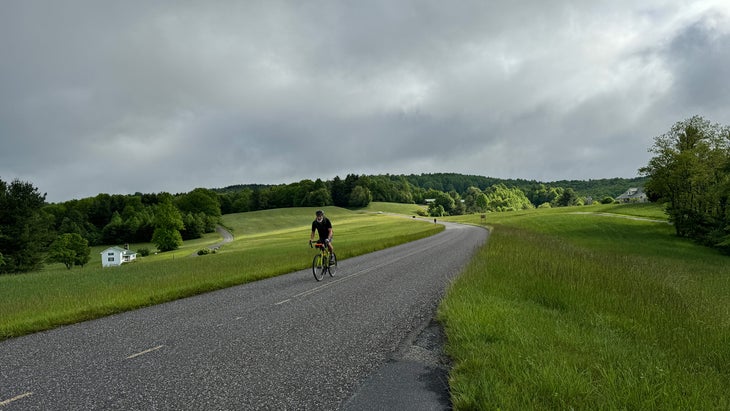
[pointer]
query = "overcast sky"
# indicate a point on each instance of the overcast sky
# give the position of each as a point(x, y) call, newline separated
point(138, 96)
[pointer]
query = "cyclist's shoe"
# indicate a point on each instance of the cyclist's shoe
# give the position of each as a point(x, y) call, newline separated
point(333, 260)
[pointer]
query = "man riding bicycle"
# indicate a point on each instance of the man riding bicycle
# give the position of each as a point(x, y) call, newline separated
point(323, 227)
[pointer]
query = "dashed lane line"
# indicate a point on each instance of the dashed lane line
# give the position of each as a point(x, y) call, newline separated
point(145, 352)
point(16, 398)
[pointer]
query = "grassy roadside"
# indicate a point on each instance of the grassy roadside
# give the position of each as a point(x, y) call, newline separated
point(585, 311)
point(266, 244)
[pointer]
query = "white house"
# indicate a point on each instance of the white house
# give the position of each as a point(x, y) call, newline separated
point(115, 256)
point(633, 195)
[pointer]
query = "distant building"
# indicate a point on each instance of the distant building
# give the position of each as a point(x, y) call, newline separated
point(633, 195)
point(115, 256)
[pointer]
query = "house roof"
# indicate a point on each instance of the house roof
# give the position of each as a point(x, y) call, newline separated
point(119, 249)
point(632, 192)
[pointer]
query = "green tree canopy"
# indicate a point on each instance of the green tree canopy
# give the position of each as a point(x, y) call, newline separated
point(567, 198)
point(472, 200)
point(70, 249)
point(501, 198)
point(690, 172)
point(168, 223)
point(459, 208)
point(360, 197)
point(436, 210)
point(318, 198)
point(440, 199)
point(116, 231)
point(24, 226)
point(200, 200)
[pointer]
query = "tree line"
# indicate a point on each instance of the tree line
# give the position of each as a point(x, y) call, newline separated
point(359, 190)
point(690, 174)
point(33, 231)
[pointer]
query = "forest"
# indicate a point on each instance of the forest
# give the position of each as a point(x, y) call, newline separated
point(412, 189)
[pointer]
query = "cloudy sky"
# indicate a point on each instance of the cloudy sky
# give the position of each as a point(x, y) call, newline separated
point(137, 96)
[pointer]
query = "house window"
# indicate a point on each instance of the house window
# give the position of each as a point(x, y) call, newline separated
point(110, 259)
point(109, 253)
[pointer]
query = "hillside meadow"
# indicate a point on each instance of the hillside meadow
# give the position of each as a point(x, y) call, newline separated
point(266, 244)
point(564, 309)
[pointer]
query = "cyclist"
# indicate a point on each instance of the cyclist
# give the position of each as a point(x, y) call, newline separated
point(323, 227)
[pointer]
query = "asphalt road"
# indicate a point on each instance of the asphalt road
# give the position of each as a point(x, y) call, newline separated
point(284, 343)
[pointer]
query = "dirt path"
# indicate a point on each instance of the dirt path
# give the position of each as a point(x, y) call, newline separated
point(227, 238)
point(623, 216)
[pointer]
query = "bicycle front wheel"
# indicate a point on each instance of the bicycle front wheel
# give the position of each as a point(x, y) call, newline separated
point(318, 267)
point(333, 265)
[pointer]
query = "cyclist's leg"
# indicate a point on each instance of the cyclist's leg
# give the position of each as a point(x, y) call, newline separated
point(331, 248)
point(327, 243)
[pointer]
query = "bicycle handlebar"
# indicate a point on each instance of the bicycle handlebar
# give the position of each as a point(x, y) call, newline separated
point(313, 244)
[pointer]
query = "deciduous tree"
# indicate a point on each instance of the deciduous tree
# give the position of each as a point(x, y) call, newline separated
point(690, 172)
point(168, 223)
point(70, 249)
point(360, 197)
point(567, 198)
point(501, 198)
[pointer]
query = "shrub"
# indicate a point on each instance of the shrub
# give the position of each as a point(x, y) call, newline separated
point(607, 200)
point(143, 252)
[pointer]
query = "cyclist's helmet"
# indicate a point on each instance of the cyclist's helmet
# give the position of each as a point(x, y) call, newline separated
point(319, 213)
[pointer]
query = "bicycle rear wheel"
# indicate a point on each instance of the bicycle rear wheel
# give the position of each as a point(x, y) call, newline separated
point(333, 265)
point(317, 267)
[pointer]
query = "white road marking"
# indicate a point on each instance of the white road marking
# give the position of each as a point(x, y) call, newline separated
point(16, 398)
point(145, 352)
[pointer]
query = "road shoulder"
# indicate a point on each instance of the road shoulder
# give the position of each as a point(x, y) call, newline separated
point(415, 378)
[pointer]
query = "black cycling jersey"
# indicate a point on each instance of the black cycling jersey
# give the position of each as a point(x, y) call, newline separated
point(322, 228)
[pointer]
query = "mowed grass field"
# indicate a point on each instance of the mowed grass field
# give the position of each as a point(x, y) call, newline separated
point(567, 310)
point(267, 243)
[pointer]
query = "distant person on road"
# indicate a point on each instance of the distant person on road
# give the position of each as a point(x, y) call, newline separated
point(323, 227)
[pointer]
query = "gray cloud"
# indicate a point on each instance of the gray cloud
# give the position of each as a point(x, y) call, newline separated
point(133, 96)
point(699, 57)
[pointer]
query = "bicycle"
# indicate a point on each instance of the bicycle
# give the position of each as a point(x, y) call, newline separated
point(325, 261)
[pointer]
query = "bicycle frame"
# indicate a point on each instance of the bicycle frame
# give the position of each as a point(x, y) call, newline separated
point(323, 250)
point(322, 262)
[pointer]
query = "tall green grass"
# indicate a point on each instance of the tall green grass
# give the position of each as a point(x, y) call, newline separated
point(574, 311)
point(266, 244)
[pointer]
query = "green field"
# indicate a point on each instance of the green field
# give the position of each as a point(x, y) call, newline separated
point(566, 310)
point(267, 243)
